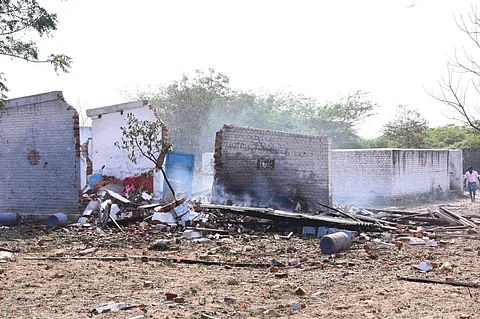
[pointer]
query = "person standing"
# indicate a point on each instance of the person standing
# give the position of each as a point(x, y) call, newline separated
point(471, 177)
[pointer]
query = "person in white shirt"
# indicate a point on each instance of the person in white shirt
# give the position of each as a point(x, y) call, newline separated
point(471, 178)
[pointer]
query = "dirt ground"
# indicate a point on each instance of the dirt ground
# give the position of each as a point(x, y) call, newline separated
point(353, 284)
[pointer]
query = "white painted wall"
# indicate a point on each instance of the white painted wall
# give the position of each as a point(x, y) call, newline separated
point(106, 123)
point(367, 175)
point(420, 171)
point(360, 176)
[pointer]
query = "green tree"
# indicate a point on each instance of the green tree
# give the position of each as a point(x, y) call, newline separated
point(20, 17)
point(146, 139)
point(452, 137)
point(340, 119)
point(407, 129)
point(189, 108)
point(198, 105)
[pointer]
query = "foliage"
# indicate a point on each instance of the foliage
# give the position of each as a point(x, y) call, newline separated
point(452, 137)
point(463, 73)
point(144, 138)
point(17, 18)
point(407, 129)
point(339, 119)
point(195, 107)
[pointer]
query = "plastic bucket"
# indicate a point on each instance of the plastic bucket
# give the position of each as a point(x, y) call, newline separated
point(9, 219)
point(334, 243)
point(57, 220)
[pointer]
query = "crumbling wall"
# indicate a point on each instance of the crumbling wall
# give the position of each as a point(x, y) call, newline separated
point(256, 167)
point(373, 176)
point(106, 123)
point(39, 156)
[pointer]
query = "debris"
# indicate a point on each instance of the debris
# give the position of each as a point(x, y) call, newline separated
point(171, 295)
point(201, 300)
point(425, 266)
point(300, 292)
point(445, 282)
point(118, 196)
point(112, 307)
point(87, 251)
point(179, 300)
point(296, 219)
point(297, 306)
point(229, 300)
point(271, 313)
point(281, 275)
point(5, 256)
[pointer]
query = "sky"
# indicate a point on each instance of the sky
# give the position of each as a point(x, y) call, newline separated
point(394, 49)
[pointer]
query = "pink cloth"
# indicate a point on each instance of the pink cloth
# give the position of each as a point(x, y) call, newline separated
point(471, 177)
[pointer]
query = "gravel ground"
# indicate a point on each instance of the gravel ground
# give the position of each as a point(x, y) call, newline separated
point(359, 283)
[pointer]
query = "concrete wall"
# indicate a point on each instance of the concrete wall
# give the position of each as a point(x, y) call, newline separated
point(369, 176)
point(39, 156)
point(361, 175)
point(263, 164)
point(419, 171)
point(455, 164)
point(106, 123)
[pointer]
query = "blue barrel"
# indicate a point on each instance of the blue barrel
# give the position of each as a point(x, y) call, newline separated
point(9, 219)
point(57, 220)
point(334, 243)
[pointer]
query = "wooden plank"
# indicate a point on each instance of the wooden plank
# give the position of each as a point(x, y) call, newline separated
point(299, 219)
point(461, 219)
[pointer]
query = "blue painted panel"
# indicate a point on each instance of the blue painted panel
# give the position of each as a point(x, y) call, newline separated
point(179, 168)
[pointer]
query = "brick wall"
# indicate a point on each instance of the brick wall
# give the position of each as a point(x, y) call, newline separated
point(378, 175)
point(360, 176)
point(420, 171)
point(253, 166)
point(39, 156)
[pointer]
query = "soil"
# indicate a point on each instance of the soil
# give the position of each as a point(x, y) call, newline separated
point(359, 283)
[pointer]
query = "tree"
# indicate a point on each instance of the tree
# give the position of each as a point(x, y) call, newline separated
point(17, 18)
point(463, 74)
point(195, 107)
point(452, 137)
point(147, 139)
point(190, 107)
point(407, 129)
point(340, 119)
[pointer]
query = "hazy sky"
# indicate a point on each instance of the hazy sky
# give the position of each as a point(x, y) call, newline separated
point(394, 49)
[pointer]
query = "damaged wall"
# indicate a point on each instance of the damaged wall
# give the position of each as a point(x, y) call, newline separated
point(39, 156)
point(106, 123)
point(378, 175)
point(86, 164)
point(254, 166)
